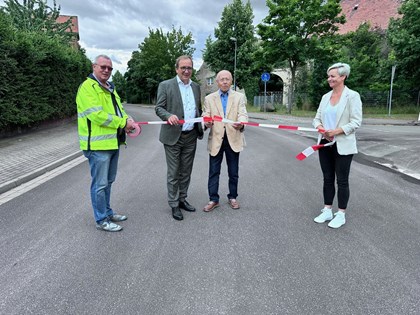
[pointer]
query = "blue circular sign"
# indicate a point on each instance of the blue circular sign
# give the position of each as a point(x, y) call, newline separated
point(265, 76)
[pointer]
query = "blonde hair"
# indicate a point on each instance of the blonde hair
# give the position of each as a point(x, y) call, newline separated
point(342, 69)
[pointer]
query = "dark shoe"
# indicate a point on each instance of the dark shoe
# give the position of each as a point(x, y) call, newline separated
point(211, 206)
point(176, 214)
point(186, 206)
point(233, 203)
point(118, 218)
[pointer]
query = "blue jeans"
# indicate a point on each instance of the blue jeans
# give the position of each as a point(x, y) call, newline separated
point(232, 161)
point(103, 169)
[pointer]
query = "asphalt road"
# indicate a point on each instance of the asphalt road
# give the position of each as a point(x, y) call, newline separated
point(395, 146)
point(269, 257)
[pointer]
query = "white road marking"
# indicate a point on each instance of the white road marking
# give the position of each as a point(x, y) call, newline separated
point(15, 192)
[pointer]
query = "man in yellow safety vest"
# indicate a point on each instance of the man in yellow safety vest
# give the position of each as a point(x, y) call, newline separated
point(102, 126)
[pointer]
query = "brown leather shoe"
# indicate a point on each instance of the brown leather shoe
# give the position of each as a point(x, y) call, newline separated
point(211, 206)
point(233, 203)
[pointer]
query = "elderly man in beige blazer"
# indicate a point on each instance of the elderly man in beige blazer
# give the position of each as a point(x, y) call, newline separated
point(224, 138)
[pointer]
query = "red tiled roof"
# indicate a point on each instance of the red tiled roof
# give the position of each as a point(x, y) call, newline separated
point(376, 12)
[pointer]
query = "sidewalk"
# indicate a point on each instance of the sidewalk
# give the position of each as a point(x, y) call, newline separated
point(23, 158)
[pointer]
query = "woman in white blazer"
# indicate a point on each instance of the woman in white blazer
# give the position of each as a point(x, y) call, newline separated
point(339, 114)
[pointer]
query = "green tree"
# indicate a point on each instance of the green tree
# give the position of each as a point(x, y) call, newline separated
point(234, 27)
point(403, 34)
point(120, 84)
point(365, 50)
point(37, 16)
point(318, 77)
point(155, 62)
point(292, 31)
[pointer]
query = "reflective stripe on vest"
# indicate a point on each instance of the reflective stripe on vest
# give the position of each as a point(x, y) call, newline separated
point(108, 121)
point(98, 138)
point(89, 111)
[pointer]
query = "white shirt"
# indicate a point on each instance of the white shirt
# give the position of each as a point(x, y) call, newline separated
point(188, 102)
point(330, 117)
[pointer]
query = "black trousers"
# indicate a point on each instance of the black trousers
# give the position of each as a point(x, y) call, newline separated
point(215, 163)
point(335, 165)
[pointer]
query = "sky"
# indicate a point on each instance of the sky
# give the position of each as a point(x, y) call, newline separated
point(117, 27)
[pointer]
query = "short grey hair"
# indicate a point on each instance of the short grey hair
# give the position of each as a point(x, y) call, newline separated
point(183, 57)
point(342, 68)
point(220, 72)
point(101, 56)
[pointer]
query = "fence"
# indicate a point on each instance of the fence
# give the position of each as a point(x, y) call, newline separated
point(270, 102)
point(399, 98)
point(379, 99)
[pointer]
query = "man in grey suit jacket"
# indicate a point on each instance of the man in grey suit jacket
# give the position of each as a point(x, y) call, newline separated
point(179, 99)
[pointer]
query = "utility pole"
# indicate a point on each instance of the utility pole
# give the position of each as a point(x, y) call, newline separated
point(234, 66)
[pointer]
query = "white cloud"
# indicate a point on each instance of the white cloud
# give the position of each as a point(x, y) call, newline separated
point(117, 27)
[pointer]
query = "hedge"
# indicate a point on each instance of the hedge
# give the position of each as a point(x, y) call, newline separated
point(39, 76)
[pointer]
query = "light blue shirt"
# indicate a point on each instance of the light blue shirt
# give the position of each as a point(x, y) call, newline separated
point(188, 102)
point(224, 98)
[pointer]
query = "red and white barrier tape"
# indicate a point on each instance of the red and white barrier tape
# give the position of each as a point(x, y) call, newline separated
point(287, 127)
point(135, 131)
point(301, 156)
point(181, 121)
point(137, 125)
point(310, 150)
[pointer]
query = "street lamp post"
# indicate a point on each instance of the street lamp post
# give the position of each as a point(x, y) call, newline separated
point(234, 66)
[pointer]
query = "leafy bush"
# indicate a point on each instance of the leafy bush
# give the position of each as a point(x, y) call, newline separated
point(40, 77)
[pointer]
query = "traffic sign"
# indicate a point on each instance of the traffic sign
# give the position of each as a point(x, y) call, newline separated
point(265, 77)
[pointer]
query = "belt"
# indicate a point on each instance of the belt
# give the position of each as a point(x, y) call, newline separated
point(186, 131)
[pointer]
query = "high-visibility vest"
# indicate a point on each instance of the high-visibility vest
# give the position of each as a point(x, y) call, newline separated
point(98, 121)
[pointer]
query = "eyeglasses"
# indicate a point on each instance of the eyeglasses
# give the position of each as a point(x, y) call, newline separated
point(183, 69)
point(103, 68)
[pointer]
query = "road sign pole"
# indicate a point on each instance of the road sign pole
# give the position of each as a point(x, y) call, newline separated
point(390, 91)
point(265, 96)
point(265, 77)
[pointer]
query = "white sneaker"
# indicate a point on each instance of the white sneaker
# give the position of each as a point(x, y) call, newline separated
point(108, 226)
point(339, 220)
point(326, 215)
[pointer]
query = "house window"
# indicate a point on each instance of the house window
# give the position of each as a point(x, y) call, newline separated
point(210, 81)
